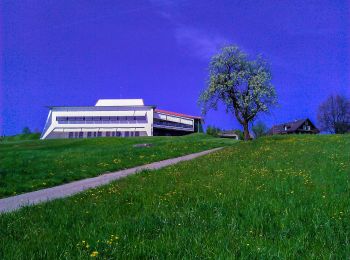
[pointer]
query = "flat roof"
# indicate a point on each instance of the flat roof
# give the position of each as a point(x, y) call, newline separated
point(120, 102)
point(99, 107)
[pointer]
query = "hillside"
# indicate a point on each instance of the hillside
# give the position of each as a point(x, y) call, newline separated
point(284, 197)
point(27, 165)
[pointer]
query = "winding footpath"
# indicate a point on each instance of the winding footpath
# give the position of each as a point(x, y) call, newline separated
point(31, 198)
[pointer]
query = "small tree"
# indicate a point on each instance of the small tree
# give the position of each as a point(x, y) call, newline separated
point(334, 115)
point(213, 131)
point(242, 85)
point(26, 130)
point(259, 129)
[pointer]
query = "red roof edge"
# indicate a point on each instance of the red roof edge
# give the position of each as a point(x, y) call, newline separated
point(176, 114)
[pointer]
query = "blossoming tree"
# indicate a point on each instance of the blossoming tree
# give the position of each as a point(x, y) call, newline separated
point(242, 85)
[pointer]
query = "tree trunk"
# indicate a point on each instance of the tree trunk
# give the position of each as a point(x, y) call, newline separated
point(246, 131)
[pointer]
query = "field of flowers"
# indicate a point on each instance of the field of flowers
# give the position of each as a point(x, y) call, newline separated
point(35, 164)
point(284, 197)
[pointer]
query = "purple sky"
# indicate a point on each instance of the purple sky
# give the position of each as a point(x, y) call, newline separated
point(75, 52)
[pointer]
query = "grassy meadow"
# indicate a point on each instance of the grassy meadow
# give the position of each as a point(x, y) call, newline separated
point(27, 165)
point(284, 197)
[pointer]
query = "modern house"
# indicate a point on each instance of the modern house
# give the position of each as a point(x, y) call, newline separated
point(117, 118)
point(302, 126)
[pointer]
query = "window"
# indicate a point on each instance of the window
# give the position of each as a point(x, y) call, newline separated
point(97, 119)
point(171, 124)
point(113, 133)
point(108, 134)
point(307, 128)
point(80, 120)
point(113, 119)
point(140, 119)
point(89, 134)
point(70, 135)
point(123, 119)
point(105, 119)
point(118, 133)
point(89, 120)
point(99, 134)
point(62, 120)
point(76, 135)
point(137, 133)
point(81, 134)
point(126, 134)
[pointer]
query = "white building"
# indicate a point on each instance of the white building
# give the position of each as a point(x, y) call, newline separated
point(117, 118)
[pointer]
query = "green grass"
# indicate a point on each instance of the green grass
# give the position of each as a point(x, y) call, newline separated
point(35, 164)
point(275, 198)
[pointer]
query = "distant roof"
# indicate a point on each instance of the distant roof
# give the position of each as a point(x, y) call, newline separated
point(119, 102)
point(291, 126)
point(176, 114)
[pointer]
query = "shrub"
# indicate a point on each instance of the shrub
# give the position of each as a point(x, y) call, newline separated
point(213, 131)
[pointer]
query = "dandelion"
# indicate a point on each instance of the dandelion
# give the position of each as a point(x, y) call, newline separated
point(94, 254)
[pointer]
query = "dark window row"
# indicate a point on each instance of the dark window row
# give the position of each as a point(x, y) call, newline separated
point(172, 124)
point(101, 119)
point(99, 134)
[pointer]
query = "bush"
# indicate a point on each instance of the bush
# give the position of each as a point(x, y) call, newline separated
point(259, 129)
point(213, 131)
point(26, 131)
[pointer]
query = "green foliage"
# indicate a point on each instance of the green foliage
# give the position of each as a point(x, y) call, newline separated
point(280, 197)
point(26, 131)
point(21, 137)
point(259, 129)
point(242, 85)
point(32, 165)
point(213, 131)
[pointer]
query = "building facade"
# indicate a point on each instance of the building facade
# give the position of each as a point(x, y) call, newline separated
point(116, 118)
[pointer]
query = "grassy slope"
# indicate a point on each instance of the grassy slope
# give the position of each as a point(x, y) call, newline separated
point(275, 198)
point(32, 165)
